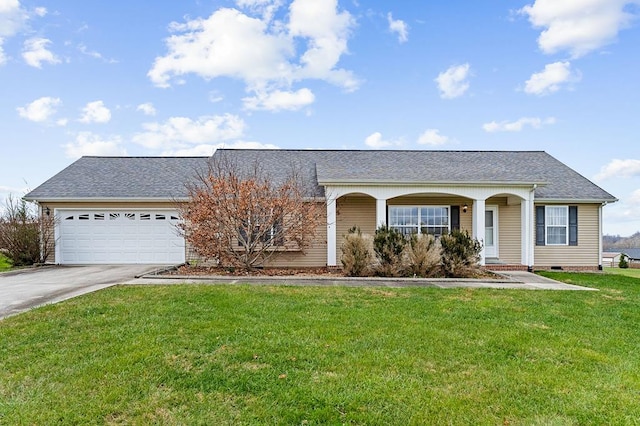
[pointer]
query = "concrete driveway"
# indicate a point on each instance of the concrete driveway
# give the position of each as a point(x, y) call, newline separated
point(25, 289)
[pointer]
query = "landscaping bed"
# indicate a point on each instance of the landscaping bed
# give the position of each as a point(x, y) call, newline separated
point(197, 270)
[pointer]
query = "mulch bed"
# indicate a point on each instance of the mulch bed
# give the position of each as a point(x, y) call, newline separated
point(190, 270)
point(265, 272)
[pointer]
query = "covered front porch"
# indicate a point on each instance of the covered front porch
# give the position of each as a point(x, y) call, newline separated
point(501, 217)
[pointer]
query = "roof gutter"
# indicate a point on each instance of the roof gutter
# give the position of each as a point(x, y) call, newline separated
point(104, 200)
point(378, 182)
point(574, 200)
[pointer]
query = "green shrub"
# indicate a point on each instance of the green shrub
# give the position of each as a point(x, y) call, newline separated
point(388, 245)
point(624, 261)
point(422, 256)
point(460, 254)
point(356, 254)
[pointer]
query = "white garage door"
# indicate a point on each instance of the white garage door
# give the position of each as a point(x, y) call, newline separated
point(123, 236)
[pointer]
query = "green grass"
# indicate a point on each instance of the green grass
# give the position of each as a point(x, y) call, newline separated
point(629, 272)
point(292, 355)
point(5, 263)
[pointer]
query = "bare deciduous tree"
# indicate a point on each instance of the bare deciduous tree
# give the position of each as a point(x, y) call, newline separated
point(25, 237)
point(238, 216)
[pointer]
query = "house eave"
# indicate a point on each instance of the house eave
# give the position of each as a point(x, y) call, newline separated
point(575, 200)
point(105, 199)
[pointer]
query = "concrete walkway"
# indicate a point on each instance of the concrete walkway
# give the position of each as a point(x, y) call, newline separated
point(511, 280)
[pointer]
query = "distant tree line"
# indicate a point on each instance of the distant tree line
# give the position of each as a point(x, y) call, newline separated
point(616, 242)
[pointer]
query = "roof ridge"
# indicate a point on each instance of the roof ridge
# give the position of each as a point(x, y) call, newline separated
point(376, 151)
point(145, 156)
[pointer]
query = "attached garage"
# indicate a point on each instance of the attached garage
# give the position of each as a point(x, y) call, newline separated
point(118, 236)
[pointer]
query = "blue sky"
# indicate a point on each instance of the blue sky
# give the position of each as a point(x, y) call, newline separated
point(184, 77)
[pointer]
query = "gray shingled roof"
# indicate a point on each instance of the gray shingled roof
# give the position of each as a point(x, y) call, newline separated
point(164, 177)
point(491, 167)
point(633, 253)
point(121, 178)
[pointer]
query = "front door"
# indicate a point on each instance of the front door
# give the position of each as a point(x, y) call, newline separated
point(491, 231)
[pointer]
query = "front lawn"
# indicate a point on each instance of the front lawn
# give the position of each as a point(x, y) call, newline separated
point(331, 355)
point(629, 272)
point(5, 264)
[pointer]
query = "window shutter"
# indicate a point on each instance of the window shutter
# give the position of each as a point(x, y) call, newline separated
point(540, 226)
point(455, 218)
point(573, 225)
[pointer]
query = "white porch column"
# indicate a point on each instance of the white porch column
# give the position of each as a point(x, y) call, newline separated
point(526, 232)
point(381, 212)
point(478, 224)
point(331, 232)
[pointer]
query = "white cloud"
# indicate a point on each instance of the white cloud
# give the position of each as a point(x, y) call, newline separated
point(453, 82)
point(228, 43)
point(12, 17)
point(95, 112)
point(635, 198)
point(399, 27)
point(578, 26)
point(624, 216)
point(326, 31)
point(209, 149)
point(518, 125)
point(40, 11)
point(40, 110)
point(87, 143)
point(280, 100)
point(265, 8)
point(147, 108)
point(376, 141)
point(180, 133)
point(619, 169)
point(432, 137)
point(92, 53)
point(267, 55)
point(35, 52)
point(215, 96)
point(551, 79)
point(7, 6)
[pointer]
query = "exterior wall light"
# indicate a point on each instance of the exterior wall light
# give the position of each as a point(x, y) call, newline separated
point(465, 208)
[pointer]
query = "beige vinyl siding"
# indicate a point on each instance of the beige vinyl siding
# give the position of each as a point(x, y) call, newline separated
point(585, 253)
point(354, 210)
point(313, 256)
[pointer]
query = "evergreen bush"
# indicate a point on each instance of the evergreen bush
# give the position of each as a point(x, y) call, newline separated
point(624, 261)
point(460, 254)
point(388, 245)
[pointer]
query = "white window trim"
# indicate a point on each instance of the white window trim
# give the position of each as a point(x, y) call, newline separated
point(419, 214)
point(547, 226)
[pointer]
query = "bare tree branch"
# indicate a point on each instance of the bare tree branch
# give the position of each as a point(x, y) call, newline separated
point(238, 216)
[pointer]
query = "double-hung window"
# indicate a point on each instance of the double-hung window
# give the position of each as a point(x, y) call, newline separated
point(557, 225)
point(409, 220)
